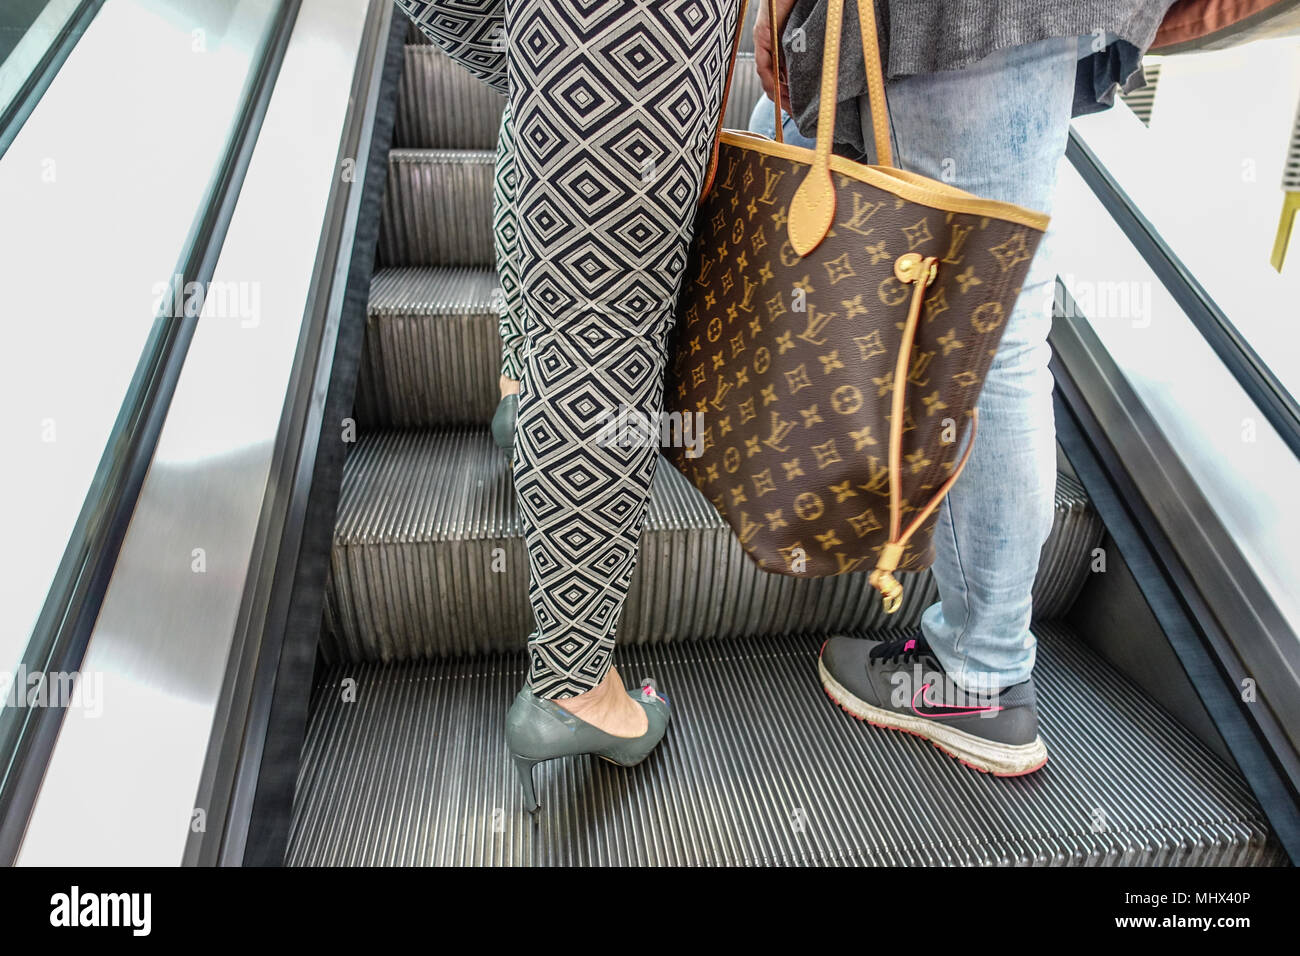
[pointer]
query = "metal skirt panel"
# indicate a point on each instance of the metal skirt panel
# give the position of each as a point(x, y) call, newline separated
point(429, 561)
point(758, 768)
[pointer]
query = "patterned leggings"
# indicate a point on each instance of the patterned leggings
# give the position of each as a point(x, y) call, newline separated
point(611, 111)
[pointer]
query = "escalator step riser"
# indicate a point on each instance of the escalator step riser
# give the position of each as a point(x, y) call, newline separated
point(429, 561)
point(413, 34)
point(745, 91)
point(432, 351)
point(438, 206)
point(441, 106)
point(437, 209)
point(411, 770)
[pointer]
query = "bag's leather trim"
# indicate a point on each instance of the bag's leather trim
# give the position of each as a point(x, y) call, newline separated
point(909, 267)
point(779, 127)
point(722, 108)
point(906, 185)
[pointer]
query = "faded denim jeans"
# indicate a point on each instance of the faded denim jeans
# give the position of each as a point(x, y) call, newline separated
point(996, 128)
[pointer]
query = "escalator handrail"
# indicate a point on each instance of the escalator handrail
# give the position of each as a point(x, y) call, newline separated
point(63, 628)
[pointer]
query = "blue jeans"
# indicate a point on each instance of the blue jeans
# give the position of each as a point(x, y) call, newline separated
point(997, 129)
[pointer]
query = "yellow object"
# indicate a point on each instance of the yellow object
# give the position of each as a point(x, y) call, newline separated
point(1290, 209)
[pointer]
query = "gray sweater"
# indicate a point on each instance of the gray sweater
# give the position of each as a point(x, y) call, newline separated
point(925, 36)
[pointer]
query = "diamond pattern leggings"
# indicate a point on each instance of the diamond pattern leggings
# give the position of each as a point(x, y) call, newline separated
point(609, 123)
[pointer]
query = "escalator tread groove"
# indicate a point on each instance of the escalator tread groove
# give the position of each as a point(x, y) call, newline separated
point(429, 560)
point(759, 768)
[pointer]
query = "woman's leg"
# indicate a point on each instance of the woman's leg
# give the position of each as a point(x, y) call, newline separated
point(471, 32)
point(505, 230)
point(996, 128)
point(614, 108)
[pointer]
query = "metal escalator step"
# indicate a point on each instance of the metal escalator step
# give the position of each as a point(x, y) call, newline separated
point(1067, 557)
point(413, 34)
point(745, 91)
point(437, 208)
point(432, 351)
point(747, 31)
point(438, 203)
point(442, 106)
point(757, 768)
point(429, 561)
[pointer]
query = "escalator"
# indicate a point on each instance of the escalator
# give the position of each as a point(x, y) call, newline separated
point(426, 615)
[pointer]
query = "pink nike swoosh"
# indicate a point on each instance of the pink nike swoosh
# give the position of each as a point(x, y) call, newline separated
point(954, 711)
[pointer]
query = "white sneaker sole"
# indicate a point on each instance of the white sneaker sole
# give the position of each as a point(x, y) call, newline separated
point(987, 756)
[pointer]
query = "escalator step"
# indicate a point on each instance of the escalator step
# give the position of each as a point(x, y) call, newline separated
point(757, 768)
point(745, 91)
point(437, 208)
point(413, 34)
point(747, 33)
point(442, 106)
point(429, 561)
point(432, 351)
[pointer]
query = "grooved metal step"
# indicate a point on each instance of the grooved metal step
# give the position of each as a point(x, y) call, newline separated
point(442, 106)
point(758, 767)
point(432, 351)
point(745, 91)
point(437, 208)
point(413, 34)
point(429, 561)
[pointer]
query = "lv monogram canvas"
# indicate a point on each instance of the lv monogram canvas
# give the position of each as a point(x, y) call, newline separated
point(834, 333)
point(791, 360)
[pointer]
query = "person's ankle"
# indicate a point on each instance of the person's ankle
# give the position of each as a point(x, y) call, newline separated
point(608, 707)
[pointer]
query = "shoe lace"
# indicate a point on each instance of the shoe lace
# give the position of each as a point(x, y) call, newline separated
point(902, 650)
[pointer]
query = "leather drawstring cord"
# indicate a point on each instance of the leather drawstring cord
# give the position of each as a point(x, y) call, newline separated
point(908, 268)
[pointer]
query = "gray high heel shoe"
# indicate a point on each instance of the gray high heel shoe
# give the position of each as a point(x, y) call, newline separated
point(503, 422)
point(538, 730)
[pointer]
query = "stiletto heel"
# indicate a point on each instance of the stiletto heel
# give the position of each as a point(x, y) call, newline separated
point(525, 765)
point(538, 730)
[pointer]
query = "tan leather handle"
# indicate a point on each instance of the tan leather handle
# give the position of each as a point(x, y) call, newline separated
point(819, 219)
point(712, 171)
point(813, 208)
point(778, 130)
point(875, 82)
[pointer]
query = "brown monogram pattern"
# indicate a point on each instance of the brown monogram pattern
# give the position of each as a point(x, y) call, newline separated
point(791, 360)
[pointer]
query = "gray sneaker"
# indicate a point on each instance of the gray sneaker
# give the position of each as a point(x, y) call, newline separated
point(900, 685)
